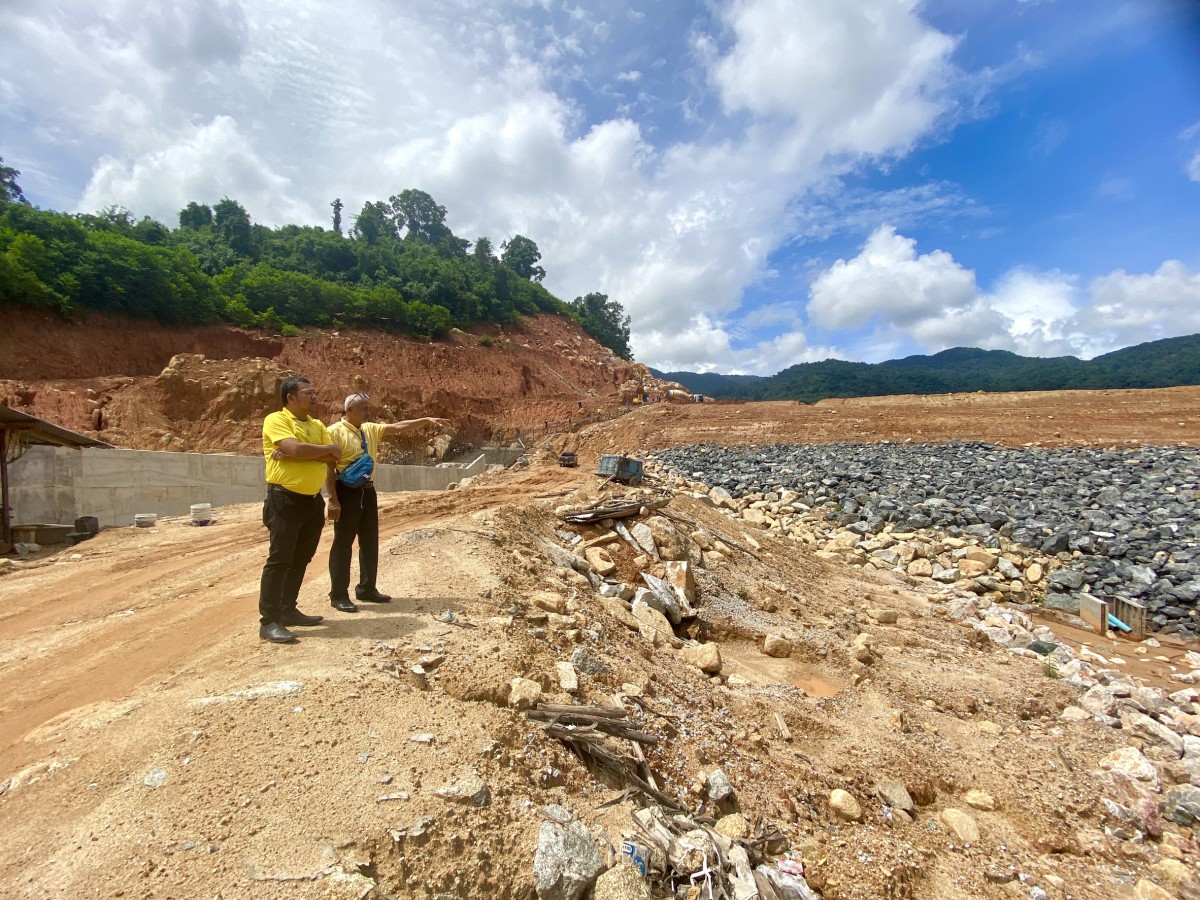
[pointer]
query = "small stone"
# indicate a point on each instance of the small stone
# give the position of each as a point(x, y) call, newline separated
point(472, 790)
point(884, 616)
point(423, 737)
point(156, 778)
point(733, 826)
point(844, 805)
point(600, 561)
point(979, 800)
point(524, 694)
point(989, 727)
point(1148, 890)
point(705, 657)
point(719, 786)
point(585, 662)
point(894, 794)
point(621, 882)
point(962, 824)
point(1075, 714)
point(777, 646)
point(550, 602)
point(568, 679)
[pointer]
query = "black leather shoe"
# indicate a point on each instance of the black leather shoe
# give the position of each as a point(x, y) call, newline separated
point(295, 617)
point(343, 604)
point(275, 633)
point(373, 597)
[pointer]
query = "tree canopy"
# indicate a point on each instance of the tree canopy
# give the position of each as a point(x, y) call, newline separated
point(400, 269)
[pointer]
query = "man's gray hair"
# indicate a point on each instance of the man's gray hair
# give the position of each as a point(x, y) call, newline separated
point(355, 399)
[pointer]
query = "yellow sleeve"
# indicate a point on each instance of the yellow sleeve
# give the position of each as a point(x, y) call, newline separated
point(276, 428)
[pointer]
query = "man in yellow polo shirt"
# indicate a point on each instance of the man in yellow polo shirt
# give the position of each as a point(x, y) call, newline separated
point(355, 509)
point(299, 455)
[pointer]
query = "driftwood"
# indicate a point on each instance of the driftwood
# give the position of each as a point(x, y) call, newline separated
point(584, 728)
point(588, 719)
point(618, 508)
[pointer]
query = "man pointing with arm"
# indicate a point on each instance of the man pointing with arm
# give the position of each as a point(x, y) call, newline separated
point(299, 453)
point(353, 507)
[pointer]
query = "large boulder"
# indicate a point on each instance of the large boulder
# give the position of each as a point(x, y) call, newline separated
point(567, 861)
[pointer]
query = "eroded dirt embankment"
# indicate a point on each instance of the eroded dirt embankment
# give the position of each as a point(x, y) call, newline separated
point(117, 379)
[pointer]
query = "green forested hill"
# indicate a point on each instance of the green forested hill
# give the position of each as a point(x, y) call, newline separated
point(398, 268)
point(1165, 363)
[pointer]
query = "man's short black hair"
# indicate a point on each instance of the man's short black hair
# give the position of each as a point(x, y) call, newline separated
point(291, 386)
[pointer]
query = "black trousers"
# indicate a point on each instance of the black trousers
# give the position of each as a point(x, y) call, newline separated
point(359, 519)
point(295, 523)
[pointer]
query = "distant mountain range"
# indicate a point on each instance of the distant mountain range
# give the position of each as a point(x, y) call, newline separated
point(1166, 363)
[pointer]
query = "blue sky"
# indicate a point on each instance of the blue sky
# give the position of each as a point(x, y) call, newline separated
point(759, 182)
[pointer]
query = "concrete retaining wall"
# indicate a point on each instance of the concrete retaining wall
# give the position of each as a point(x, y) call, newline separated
point(54, 485)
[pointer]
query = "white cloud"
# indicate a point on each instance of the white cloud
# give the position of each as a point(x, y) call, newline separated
point(889, 285)
point(201, 164)
point(1130, 309)
point(1193, 168)
point(900, 296)
point(859, 78)
point(706, 345)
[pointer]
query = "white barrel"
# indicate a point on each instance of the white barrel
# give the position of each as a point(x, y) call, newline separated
point(201, 513)
point(145, 520)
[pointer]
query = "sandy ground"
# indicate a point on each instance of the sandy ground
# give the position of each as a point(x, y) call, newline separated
point(152, 746)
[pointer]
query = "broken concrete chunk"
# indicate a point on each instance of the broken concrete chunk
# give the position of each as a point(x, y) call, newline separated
point(653, 619)
point(670, 543)
point(733, 826)
point(644, 538)
point(620, 612)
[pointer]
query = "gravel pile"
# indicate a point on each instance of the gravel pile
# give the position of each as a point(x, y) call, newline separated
point(1132, 514)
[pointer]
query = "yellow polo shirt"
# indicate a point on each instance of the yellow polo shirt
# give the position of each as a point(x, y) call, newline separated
point(304, 476)
point(350, 439)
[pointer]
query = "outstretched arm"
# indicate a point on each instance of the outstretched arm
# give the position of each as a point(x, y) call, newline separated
point(413, 425)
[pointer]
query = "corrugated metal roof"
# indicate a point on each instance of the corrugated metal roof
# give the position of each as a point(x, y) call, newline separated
point(39, 431)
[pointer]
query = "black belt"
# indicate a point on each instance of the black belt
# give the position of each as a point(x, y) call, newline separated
point(280, 489)
point(357, 487)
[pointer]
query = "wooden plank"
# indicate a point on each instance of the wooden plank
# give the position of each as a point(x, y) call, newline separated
point(783, 729)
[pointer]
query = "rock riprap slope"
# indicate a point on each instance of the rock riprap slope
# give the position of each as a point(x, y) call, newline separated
point(1120, 522)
